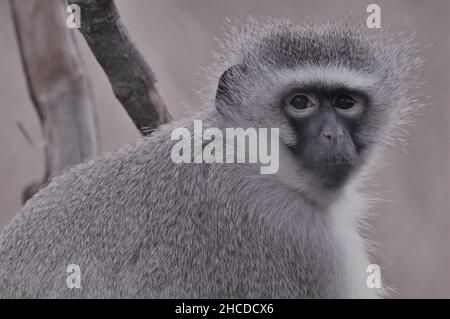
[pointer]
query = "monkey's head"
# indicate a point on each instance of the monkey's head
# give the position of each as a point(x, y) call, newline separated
point(335, 91)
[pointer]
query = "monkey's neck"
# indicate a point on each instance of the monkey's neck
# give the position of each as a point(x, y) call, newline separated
point(345, 217)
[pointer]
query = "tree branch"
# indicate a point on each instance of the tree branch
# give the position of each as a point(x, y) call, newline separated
point(57, 85)
point(132, 80)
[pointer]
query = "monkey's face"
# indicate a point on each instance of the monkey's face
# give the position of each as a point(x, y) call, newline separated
point(326, 122)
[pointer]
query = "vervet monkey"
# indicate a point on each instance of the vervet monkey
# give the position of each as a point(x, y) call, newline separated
point(139, 225)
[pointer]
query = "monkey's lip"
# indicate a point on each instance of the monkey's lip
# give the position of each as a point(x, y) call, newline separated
point(334, 167)
point(338, 162)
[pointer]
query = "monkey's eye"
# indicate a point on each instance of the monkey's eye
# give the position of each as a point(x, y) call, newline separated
point(301, 104)
point(347, 105)
point(300, 101)
point(344, 102)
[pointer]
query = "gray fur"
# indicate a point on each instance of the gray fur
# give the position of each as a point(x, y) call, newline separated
point(141, 226)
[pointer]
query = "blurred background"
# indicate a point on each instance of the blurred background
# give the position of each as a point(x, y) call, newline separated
point(412, 223)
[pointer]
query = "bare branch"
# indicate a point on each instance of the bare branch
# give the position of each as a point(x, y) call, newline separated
point(132, 80)
point(57, 85)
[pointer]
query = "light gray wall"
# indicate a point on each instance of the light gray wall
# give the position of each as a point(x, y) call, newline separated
point(412, 224)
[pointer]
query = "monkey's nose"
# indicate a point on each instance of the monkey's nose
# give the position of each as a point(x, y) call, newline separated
point(332, 136)
point(327, 135)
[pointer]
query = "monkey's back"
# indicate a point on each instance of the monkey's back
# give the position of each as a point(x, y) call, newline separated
point(139, 225)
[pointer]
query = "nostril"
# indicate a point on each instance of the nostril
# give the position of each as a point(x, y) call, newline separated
point(327, 135)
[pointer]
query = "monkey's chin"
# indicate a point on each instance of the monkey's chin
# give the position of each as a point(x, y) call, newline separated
point(334, 175)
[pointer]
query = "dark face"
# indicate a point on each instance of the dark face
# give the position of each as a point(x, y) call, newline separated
point(327, 122)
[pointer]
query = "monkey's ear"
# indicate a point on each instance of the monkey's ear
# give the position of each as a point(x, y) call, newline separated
point(227, 82)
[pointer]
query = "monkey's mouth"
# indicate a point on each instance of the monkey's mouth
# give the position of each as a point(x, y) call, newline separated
point(334, 172)
point(335, 161)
